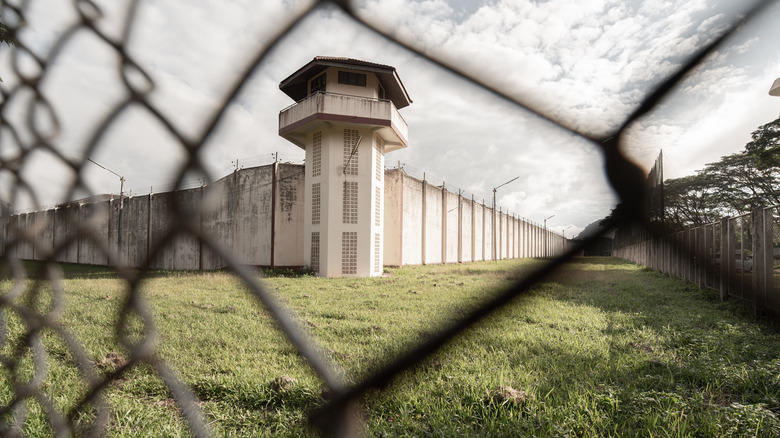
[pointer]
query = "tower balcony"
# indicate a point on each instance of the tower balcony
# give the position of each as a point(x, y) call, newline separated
point(302, 117)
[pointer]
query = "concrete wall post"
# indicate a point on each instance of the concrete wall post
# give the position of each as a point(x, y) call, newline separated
point(273, 212)
point(483, 230)
point(499, 250)
point(473, 231)
point(424, 219)
point(460, 227)
point(443, 224)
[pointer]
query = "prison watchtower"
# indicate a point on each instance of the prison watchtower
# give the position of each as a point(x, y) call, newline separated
point(346, 118)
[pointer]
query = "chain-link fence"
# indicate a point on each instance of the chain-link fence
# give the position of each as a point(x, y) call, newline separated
point(738, 256)
point(36, 133)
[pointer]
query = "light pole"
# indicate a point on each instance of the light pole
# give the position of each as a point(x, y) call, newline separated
point(564, 230)
point(546, 238)
point(493, 233)
point(121, 203)
point(121, 180)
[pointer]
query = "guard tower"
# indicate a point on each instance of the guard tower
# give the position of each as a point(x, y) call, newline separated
point(346, 119)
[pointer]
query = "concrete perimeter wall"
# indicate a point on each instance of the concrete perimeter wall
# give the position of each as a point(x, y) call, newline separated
point(439, 226)
point(256, 216)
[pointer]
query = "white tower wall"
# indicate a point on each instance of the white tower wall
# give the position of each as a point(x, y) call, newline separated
point(333, 216)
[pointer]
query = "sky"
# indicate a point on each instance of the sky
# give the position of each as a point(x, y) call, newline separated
point(585, 65)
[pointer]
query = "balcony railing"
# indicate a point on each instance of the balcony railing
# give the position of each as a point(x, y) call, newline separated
point(338, 106)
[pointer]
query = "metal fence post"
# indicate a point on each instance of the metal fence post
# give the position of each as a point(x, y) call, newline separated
point(759, 261)
point(725, 248)
point(704, 259)
point(769, 258)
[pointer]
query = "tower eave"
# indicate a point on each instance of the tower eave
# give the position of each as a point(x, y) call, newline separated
point(295, 85)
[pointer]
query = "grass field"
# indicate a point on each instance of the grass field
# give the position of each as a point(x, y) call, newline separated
point(603, 348)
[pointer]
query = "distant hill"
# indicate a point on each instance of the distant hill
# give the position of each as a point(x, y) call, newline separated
point(594, 228)
point(5, 209)
point(601, 246)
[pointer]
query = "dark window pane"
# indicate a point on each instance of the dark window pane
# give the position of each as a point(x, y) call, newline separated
point(318, 84)
point(350, 78)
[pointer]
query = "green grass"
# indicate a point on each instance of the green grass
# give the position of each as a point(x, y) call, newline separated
point(603, 348)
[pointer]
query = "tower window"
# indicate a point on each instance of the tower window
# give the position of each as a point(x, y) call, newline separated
point(350, 78)
point(379, 146)
point(377, 253)
point(316, 154)
point(349, 252)
point(315, 204)
point(350, 204)
point(317, 84)
point(350, 159)
point(377, 206)
point(315, 251)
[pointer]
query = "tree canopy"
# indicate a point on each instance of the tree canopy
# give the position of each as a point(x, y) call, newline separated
point(6, 36)
point(735, 185)
point(765, 146)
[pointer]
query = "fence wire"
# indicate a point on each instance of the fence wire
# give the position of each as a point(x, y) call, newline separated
point(738, 256)
point(40, 127)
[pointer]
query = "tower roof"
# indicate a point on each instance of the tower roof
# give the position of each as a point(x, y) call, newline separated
point(295, 85)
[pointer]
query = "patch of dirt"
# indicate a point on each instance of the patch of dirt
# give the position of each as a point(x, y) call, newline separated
point(718, 399)
point(283, 383)
point(641, 347)
point(112, 361)
point(166, 403)
point(339, 355)
point(505, 394)
point(435, 364)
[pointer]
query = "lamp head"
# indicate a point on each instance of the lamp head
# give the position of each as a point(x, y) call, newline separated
point(775, 89)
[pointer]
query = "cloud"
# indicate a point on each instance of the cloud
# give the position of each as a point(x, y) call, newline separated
point(586, 64)
point(714, 110)
point(582, 58)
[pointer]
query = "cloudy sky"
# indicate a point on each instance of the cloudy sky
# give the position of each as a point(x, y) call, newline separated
point(586, 65)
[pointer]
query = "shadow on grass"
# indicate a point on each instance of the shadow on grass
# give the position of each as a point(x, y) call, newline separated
point(72, 271)
point(268, 396)
point(697, 343)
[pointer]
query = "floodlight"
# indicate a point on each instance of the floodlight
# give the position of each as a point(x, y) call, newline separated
point(775, 90)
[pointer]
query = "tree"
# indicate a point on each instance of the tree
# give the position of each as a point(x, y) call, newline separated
point(765, 146)
point(691, 201)
point(735, 185)
point(615, 218)
point(6, 35)
point(743, 183)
